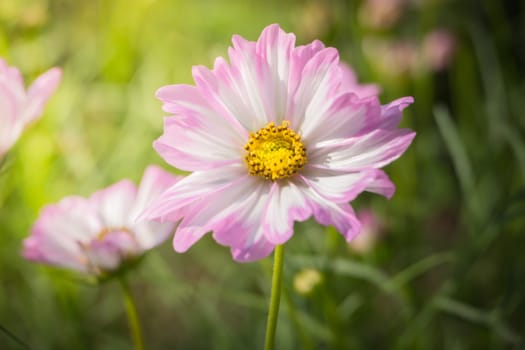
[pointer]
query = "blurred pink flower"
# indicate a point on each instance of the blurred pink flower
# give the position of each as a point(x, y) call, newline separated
point(273, 137)
point(17, 107)
point(98, 234)
point(314, 19)
point(438, 49)
point(392, 57)
point(371, 229)
point(381, 14)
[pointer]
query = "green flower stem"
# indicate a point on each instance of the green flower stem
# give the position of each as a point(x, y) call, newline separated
point(133, 318)
point(273, 311)
point(13, 337)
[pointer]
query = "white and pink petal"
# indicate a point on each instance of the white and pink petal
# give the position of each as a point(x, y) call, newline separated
point(381, 184)
point(191, 145)
point(338, 186)
point(39, 248)
point(113, 204)
point(392, 112)
point(373, 150)
point(256, 247)
point(187, 100)
point(273, 49)
point(234, 91)
point(286, 203)
point(224, 212)
point(60, 232)
point(299, 58)
point(200, 184)
point(346, 116)
point(39, 92)
point(319, 82)
point(154, 182)
point(339, 215)
point(10, 125)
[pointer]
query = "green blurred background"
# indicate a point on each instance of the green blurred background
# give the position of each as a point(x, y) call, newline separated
point(447, 270)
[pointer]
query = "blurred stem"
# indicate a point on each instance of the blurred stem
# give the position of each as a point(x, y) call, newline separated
point(133, 318)
point(273, 311)
point(306, 343)
point(13, 337)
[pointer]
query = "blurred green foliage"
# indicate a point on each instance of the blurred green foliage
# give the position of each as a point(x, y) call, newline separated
point(448, 272)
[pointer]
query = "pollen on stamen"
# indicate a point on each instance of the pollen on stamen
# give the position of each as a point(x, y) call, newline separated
point(275, 152)
point(106, 231)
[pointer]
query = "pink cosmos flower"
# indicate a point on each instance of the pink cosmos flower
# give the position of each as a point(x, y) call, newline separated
point(438, 49)
point(381, 14)
point(17, 107)
point(275, 136)
point(371, 229)
point(98, 234)
point(392, 58)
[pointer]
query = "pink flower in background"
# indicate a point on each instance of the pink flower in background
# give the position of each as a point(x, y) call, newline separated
point(19, 107)
point(392, 58)
point(381, 14)
point(371, 229)
point(273, 137)
point(96, 235)
point(438, 49)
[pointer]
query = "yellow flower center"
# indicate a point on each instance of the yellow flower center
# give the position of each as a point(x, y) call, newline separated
point(275, 152)
point(106, 231)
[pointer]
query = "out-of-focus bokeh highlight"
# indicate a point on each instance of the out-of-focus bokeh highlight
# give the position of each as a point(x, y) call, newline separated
point(446, 270)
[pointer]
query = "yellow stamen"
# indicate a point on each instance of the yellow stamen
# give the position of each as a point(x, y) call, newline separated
point(106, 231)
point(275, 152)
